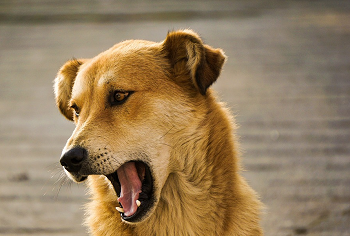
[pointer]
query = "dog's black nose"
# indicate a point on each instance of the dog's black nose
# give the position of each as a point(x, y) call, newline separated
point(73, 159)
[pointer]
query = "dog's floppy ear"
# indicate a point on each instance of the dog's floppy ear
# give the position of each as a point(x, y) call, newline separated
point(187, 53)
point(63, 85)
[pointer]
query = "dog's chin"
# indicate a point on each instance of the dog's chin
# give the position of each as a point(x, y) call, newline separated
point(146, 199)
point(76, 177)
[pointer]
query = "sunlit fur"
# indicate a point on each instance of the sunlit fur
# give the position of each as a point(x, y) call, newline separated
point(172, 121)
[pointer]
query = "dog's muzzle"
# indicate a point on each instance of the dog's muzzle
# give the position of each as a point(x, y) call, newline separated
point(132, 182)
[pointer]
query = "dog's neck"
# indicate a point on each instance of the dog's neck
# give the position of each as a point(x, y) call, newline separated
point(187, 199)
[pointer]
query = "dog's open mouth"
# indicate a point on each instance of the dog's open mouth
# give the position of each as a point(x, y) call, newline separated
point(133, 183)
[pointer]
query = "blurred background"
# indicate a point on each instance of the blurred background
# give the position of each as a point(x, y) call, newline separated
point(287, 80)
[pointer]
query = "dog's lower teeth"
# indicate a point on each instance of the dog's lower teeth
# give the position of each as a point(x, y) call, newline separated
point(121, 210)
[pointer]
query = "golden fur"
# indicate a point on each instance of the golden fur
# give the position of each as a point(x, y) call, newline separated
point(171, 121)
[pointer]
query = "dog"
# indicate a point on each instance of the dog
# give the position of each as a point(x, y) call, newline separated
point(156, 148)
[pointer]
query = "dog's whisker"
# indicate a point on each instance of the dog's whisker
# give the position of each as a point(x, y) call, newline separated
point(60, 177)
point(58, 172)
point(166, 144)
point(54, 169)
point(69, 184)
point(59, 183)
point(53, 166)
point(62, 181)
point(167, 132)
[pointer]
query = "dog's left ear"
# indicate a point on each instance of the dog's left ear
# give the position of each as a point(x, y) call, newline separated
point(188, 54)
point(63, 85)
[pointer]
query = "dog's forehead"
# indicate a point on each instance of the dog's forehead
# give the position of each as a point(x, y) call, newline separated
point(128, 65)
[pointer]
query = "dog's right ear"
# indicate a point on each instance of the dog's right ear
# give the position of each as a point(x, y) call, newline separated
point(63, 85)
point(189, 55)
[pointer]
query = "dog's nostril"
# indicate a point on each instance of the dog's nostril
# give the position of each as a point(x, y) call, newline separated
point(76, 160)
point(64, 164)
point(73, 159)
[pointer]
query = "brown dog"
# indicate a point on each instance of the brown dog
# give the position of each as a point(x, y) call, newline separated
point(154, 144)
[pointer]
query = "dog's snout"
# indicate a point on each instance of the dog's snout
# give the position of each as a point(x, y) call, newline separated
point(73, 159)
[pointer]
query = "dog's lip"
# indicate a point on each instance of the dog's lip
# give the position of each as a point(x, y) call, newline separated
point(76, 177)
point(145, 196)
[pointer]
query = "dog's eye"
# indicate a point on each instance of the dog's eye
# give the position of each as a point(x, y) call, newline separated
point(119, 97)
point(76, 113)
point(76, 110)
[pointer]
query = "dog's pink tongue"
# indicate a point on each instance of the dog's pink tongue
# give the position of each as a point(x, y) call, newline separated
point(130, 187)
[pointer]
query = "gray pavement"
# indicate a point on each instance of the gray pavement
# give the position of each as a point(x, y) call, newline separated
point(287, 81)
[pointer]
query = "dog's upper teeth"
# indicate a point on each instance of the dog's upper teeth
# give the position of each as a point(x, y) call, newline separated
point(138, 203)
point(121, 210)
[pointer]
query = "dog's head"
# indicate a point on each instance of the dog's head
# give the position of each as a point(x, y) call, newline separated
point(131, 105)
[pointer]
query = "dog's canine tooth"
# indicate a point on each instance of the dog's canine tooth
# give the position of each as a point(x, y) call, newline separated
point(138, 203)
point(121, 210)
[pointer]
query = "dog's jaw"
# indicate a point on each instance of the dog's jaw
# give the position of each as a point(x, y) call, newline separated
point(133, 183)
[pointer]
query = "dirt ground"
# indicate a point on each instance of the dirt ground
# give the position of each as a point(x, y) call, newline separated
point(287, 81)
